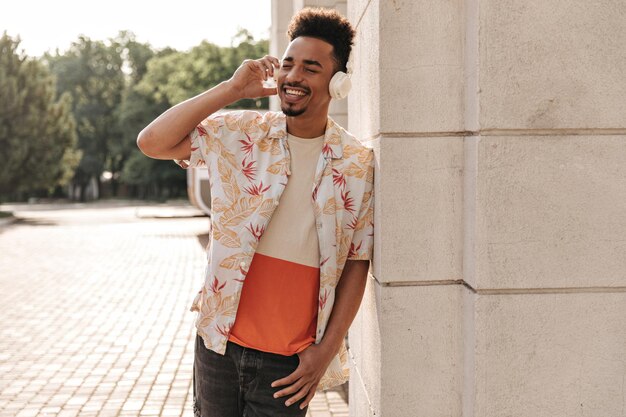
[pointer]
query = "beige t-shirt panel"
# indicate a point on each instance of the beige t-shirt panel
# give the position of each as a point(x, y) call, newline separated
point(291, 234)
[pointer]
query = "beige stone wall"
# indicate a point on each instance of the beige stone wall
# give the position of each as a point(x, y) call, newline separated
point(499, 281)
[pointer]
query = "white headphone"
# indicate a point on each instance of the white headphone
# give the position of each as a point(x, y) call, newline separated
point(340, 84)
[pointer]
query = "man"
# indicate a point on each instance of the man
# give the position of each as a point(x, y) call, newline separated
point(291, 227)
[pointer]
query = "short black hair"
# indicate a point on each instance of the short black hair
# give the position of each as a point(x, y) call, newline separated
point(327, 25)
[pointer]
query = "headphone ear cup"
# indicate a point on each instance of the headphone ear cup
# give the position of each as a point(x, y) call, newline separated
point(339, 85)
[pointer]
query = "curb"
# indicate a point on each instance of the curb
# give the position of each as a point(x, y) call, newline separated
point(5, 221)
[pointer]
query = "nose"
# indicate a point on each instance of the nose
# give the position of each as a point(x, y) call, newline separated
point(294, 75)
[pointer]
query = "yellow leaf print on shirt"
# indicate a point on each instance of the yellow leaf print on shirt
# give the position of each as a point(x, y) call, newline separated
point(241, 210)
point(279, 167)
point(350, 150)
point(234, 261)
point(355, 170)
point(216, 305)
point(225, 236)
point(217, 147)
point(330, 207)
point(218, 205)
point(271, 146)
point(229, 182)
point(239, 124)
point(267, 208)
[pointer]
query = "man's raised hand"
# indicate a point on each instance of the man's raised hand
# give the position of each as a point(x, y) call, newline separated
point(249, 77)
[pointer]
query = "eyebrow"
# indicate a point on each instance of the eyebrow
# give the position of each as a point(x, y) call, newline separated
point(306, 61)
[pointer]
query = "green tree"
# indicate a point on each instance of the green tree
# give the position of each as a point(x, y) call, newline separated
point(145, 177)
point(91, 72)
point(37, 130)
point(174, 77)
point(243, 46)
point(135, 110)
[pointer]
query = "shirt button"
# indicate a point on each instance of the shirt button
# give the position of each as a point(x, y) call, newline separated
point(242, 264)
point(275, 203)
point(318, 225)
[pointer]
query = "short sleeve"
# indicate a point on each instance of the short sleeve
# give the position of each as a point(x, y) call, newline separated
point(362, 245)
point(200, 138)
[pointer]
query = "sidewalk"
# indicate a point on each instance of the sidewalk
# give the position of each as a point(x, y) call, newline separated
point(94, 311)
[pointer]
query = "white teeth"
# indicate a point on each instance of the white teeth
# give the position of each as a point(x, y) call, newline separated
point(294, 92)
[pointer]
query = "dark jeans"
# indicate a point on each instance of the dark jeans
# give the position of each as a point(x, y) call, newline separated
point(238, 383)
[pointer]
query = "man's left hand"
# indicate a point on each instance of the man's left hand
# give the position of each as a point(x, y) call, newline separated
point(304, 380)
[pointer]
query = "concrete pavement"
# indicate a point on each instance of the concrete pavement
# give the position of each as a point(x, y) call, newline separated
point(94, 311)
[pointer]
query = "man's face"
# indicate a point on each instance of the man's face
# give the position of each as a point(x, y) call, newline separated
point(306, 69)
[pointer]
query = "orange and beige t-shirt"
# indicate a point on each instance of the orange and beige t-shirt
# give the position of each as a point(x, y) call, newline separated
point(277, 310)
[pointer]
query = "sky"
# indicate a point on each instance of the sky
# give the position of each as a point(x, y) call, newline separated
point(181, 24)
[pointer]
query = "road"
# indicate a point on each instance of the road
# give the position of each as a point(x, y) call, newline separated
point(94, 310)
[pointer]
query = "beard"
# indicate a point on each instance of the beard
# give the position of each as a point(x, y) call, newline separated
point(286, 107)
point(292, 112)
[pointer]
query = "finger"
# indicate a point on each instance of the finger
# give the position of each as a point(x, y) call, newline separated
point(289, 379)
point(272, 63)
point(258, 68)
point(290, 389)
point(299, 395)
point(269, 92)
point(308, 399)
point(267, 64)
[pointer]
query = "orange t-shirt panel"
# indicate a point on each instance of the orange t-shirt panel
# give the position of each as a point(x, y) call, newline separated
point(277, 310)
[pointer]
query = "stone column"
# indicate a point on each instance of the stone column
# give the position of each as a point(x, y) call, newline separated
point(499, 281)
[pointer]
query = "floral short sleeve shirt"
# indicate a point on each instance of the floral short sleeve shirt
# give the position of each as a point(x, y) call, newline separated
point(247, 156)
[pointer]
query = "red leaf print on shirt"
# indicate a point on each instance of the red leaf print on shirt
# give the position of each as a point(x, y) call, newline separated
point(224, 331)
point(354, 250)
point(257, 231)
point(216, 286)
point(353, 223)
point(249, 170)
point(202, 131)
point(246, 146)
point(339, 179)
point(323, 299)
point(327, 150)
point(257, 189)
point(348, 202)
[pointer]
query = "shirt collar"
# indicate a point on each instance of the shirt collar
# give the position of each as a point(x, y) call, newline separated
point(332, 148)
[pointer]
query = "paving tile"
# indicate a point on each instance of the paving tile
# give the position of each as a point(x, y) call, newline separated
point(95, 318)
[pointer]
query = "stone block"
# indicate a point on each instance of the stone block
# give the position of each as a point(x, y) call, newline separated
point(551, 211)
point(363, 101)
point(422, 343)
point(418, 212)
point(552, 64)
point(411, 336)
point(421, 66)
point(545, 355)
point(365, 345)
point(356, 9)
point(358, 398)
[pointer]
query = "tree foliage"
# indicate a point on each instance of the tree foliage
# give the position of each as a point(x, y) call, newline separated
point(91, 72)
point(37, 130)
point(108, 91)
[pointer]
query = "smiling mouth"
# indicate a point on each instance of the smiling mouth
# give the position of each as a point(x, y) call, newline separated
point(294, 93)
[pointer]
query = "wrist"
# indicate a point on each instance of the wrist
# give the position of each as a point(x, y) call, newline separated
point(329, 348)
point(234, 91)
